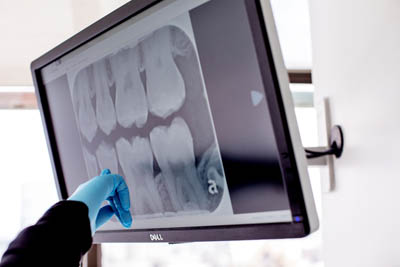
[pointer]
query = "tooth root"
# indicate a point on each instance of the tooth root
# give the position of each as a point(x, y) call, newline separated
point(160, 145)
point(159, 180)
point(130, 100)
point(136, 161)
point(91, 163)
point(107, 157)
point(83, 105)
point(141, 148)
point(173, 149)
point(186, 194)
point(165, 85)
point(105, 112)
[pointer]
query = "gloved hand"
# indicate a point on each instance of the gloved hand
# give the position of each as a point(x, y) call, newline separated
point(107, 186)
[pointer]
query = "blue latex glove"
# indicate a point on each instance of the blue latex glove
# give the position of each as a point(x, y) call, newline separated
point(107, 186)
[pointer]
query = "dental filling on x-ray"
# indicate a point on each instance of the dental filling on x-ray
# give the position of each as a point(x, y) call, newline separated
point(149, 100)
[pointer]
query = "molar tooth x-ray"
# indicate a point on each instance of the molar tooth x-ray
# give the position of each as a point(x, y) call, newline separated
point(165, 85)
point(136, 160)
point(156, 127)
point(173, 149)
point(130, 100)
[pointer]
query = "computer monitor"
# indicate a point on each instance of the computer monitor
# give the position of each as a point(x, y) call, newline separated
point(189, 101)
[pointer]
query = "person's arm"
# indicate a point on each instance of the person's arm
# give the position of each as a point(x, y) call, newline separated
point(60, 238)
point(64, 233)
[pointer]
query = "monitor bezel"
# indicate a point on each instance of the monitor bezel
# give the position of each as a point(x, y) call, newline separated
point(282, 112)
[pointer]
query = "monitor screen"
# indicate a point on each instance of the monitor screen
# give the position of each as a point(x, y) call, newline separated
point(174, 99)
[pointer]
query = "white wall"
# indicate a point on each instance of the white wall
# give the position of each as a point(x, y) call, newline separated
point(29, 28)
point(356, 53)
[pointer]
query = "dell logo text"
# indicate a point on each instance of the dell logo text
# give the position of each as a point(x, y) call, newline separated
point(156, 237)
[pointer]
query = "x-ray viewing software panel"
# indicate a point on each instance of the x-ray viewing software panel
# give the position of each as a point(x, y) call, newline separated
point(172, 100)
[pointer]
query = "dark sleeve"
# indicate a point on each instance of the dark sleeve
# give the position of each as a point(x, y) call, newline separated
point(60, 238)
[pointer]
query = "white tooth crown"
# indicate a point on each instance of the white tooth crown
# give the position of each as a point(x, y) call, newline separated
point(105, 112)
point(83, 105)
point(107, 157)
point(136, 160)
point(130, 100)
point(165, 85)
point(173, 149)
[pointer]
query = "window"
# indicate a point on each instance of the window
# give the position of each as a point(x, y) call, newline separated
point(293, 24)
point(27, 188)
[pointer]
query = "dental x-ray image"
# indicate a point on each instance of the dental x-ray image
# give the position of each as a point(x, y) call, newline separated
point(142, 111)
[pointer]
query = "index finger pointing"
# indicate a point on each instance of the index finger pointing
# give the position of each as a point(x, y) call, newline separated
point(122, 192)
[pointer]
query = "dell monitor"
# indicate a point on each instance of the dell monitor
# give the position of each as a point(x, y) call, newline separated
point(189, 101)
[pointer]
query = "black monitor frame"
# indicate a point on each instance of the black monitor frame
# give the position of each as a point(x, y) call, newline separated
point(305, 221)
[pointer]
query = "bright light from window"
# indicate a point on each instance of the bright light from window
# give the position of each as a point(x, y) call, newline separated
point(27, 187)
point(293, 23)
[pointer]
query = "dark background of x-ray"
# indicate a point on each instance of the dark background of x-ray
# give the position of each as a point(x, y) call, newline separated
point(244, 132)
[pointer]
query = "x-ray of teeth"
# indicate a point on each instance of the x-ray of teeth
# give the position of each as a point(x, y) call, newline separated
point(165, 85)
point(105, 112)
point(140, 100)
point(107, 157)
point(136, 160)
point(161, 187)
point(170, 163)
point(130, 100)
point(173, 149)
point(84, 109)
point(91, 163)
